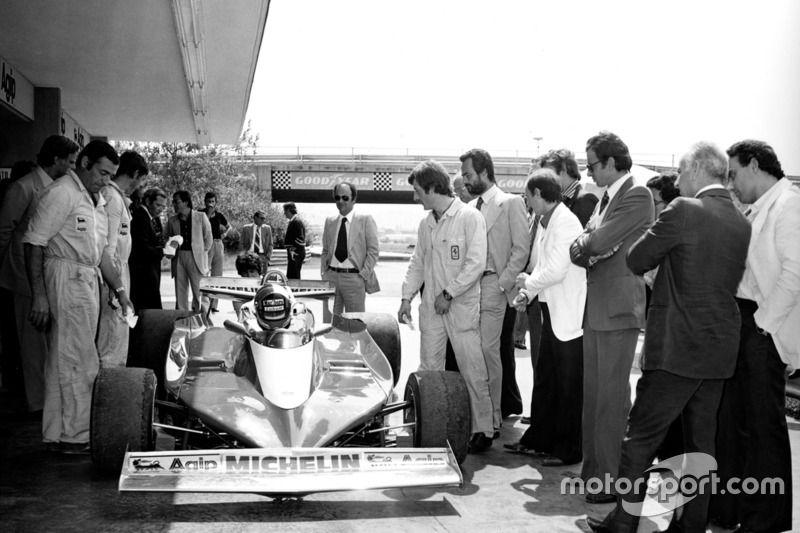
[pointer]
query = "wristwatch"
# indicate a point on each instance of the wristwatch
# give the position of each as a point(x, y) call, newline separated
point(119, 290)
point(447, 295)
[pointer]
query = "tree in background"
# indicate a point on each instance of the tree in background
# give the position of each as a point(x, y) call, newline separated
point(219, 168)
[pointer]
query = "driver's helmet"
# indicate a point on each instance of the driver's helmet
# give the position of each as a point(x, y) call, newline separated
point(273, 306)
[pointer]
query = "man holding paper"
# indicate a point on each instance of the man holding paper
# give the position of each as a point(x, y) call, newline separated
point(191, 230)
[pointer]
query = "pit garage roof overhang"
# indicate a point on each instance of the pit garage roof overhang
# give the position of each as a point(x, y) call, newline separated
point(147, 70)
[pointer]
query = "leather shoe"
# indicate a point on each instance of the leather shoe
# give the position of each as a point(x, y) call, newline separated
point(479, 443)
point(553, 461)
point(520, 345)
point(596, 525)
point(518, 447)
point(601, 498)
point(525, 420)
point(496, 434)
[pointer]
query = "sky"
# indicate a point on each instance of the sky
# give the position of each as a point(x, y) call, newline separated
point(451, 75)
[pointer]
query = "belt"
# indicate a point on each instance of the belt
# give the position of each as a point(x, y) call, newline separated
point(344, 270)
point(217, 239)
point(488, 273)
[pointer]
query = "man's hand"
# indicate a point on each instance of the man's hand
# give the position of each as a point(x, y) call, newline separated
point(441, 305)
point(596, 258)
point(40, 313)
point(404, 313)
point(522, 277)
point(125, 303)
point(521, 302)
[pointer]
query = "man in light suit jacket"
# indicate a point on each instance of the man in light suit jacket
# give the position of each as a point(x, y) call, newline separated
point(190, 262)
point(614, 304)
point(560, 286)
point(349, 252)
point(769, 300)
point(262, 246)
point(699, 243)
point(509, 244)
point(56, 157)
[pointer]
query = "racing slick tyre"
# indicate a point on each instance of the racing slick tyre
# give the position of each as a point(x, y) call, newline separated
point(122, 415)
point(439, 410)
point(149, 340)
point(383, 329)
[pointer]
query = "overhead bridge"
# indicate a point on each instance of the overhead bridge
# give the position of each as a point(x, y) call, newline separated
point(380, 178)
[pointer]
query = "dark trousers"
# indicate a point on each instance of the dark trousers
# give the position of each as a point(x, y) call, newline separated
point(293, 266)
point(557, 396)
point(752, 436)
point(534, 312)
point(510, 400)
point(11, 363)
point(661, 397)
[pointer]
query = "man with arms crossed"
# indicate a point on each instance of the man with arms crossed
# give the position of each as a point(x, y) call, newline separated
point(699, 243)
point(614, 304)
point(508, 249)
point(449, 259)
point(349, 252)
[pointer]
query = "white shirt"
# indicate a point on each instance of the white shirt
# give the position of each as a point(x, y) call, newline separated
point(487, 196)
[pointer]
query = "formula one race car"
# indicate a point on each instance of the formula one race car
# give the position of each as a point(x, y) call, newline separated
point(271, 405)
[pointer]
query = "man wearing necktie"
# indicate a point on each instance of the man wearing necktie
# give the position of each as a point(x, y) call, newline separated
point(353, 238)
point(147, 250)
point(614, 304)
point(257, 238)
point(508, 250)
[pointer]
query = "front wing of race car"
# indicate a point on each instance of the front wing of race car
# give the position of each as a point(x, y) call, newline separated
point(289, 471)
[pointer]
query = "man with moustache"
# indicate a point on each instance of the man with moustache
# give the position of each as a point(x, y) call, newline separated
point(508, 250)
point(190, 262)
point(564, 164)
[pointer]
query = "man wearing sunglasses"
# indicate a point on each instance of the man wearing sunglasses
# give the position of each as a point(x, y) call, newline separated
point(257, 238)
point(349, 252)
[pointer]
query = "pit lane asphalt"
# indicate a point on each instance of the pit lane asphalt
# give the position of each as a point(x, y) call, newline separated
point(41, 491)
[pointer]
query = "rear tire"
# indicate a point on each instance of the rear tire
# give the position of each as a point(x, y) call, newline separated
point(149, 340)
point(122, 415)
point(383, 329)
point(440, 411)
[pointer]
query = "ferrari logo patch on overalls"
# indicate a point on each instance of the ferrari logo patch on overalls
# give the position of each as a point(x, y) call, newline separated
point(454, 255)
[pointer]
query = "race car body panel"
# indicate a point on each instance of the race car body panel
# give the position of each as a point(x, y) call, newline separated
point(238, 388)
point(289, 471)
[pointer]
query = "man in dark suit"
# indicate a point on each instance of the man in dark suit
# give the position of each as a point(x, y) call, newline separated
point(700, 244)
point(147, 249)
point(614, 304)
point(564, 164)
point(350, 252)
point(295, 241)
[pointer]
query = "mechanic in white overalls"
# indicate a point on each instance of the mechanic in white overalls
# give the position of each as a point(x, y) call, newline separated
point(64, 253)
point(113, 331)
point(450, 257)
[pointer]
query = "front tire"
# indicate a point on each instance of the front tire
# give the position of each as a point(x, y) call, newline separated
point(122, 415)
point(440, 411)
